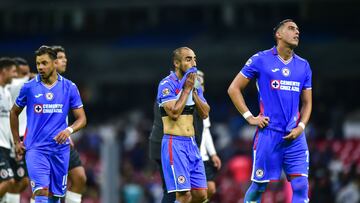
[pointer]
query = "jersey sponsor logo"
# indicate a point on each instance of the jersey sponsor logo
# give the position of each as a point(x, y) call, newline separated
point(285, 71)
point(275, 70)
point(248, 62)
point(285, 85)
point(259, 173)
point(181, 179)
point(38, 95)
point(48, 108)
point(165, 92)
point(49, 96)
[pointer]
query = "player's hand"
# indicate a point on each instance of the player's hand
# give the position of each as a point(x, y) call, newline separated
point(19, 150)
point(72, 145)
point(260, 121)
point(216, 160)
point(190, 81)
point(62, 136)
point(294, 133)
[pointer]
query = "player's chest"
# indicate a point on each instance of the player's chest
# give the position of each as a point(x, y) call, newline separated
point(43, 95)
point(277, 70)
point(5, 102)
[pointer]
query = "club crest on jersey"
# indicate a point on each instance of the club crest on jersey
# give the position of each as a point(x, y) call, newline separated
point(32, 183)
point(49, 96)
point(285, 71)
point(38, 108)
point(259, 173)
point(181, 179)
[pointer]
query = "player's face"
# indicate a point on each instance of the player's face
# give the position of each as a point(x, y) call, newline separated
point(62, 61)
point(187, 60)
point(23, 71)
point(9, 73)
point(289, 34)
point(45, 66)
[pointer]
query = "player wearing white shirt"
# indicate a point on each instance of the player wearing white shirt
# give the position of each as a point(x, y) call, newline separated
point(211, 160)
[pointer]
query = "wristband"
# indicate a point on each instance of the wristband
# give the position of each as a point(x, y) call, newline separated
point(302, 125)
point(247, 114)
point(70, 129)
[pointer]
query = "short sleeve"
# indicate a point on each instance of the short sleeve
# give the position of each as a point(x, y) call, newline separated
point(166, 92)
point(251, 68)
point(21, 100)
point(75, 99)
point(308, 77)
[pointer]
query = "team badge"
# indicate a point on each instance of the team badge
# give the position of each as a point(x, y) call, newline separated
point(275, 84)
point(248, 62)
point(38, 108)
point(3, 173)
point(49, 96)
point(32, 183)
point(165, 92)
point(285, 71)
point(259, 173)
point(20, 172)
point(181, 179)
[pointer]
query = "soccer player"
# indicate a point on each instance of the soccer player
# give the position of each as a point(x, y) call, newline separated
point(48, 98)
point(181, 161)
point(77, 174)
point(211, 160)
point(20, 172)
point(283, 80)
point(8, 165)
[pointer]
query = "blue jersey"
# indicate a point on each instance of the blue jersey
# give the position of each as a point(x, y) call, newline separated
point(170, 88)
point(47, 109)
point(279, 84)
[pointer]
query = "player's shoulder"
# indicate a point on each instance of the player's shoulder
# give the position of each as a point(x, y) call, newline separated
point(300, 58)
point(66, 81)
point(167, 81)
point(31, 83)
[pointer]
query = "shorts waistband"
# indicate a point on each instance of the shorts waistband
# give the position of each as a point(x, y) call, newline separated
point(177, 137)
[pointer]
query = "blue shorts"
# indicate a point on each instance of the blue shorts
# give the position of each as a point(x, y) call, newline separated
point(48, 169)
point(271, 154)
point(182, 164)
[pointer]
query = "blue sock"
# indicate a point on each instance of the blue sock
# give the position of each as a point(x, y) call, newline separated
point(254, 192)
point(300, 187)
point(41, 199)
point(54, 199)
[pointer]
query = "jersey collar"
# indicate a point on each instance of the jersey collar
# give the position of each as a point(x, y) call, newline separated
point(38, 79)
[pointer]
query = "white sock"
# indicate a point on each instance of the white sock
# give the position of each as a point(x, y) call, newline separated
point(12, 198)
point(32, 200)
point(72, 197)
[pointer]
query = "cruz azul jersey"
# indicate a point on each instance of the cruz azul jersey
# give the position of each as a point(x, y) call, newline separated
point(279, 84)
point(47, 109)
point(170, 88)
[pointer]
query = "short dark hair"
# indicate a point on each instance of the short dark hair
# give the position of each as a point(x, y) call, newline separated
point(20, 61)
point(58, 48)
point(46, 50)
point(279, 25)
point(6, 62)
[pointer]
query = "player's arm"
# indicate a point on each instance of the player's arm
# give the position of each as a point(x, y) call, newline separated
point(210, 148)
point(202, 107)
point(80, 122)
point(175, 108)
point(235, 92)
point(14, 125)
point(305, 112)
